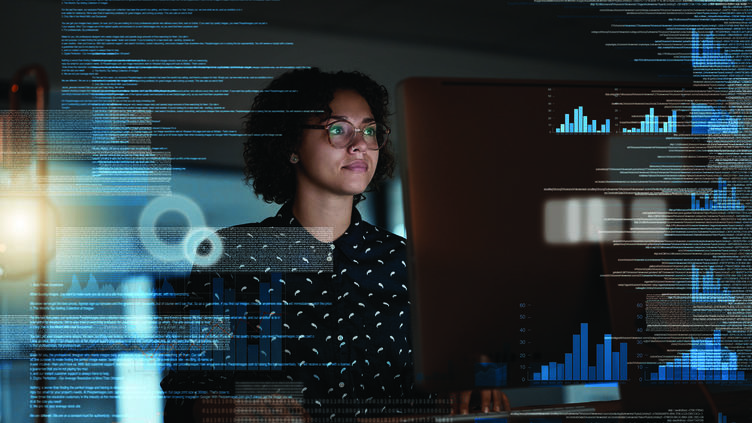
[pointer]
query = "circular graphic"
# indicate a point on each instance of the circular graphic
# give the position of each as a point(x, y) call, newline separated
point(177, 251)
point(192, 241)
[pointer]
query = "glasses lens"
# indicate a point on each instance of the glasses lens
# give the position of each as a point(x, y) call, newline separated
point(381, 134)
point(375, 135)
point(341, 134)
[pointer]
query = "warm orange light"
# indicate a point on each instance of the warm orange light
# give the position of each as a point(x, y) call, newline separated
point(14, 88)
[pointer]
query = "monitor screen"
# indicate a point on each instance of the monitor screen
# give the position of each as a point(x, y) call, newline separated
point(532, 208)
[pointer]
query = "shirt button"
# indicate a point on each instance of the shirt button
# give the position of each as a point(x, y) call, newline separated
point(342, 384)
point(339, 338)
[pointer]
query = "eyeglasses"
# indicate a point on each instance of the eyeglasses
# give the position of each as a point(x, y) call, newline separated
point(342, 132)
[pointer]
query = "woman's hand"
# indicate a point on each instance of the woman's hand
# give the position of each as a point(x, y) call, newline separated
point(490, 400)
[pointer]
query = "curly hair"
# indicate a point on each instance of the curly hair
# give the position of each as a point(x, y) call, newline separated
point(274, 127)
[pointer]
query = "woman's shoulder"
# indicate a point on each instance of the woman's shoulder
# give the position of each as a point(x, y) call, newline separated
point(365, 241)
point(379, 234)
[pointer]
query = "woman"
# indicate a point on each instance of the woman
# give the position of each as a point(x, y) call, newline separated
point(341, 345)
point(316, 142)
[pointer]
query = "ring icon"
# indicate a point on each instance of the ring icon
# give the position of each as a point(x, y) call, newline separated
point(197, 232)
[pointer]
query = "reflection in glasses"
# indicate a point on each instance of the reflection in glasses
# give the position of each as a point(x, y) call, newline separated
point(342, 132)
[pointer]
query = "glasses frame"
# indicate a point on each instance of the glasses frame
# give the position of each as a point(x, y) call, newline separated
point(356, 130)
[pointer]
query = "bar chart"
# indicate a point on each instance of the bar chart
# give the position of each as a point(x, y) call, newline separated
point(707, 289)
point(707, 53)
point(706, 361)
point(723, 419)
point(721, 199)
point(256, 349)
point(266, 354)
point(709, 120)
point(578, 124)
point(610, 365)
point(652, 124)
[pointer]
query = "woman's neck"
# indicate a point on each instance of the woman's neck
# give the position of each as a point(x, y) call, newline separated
point(323, 212)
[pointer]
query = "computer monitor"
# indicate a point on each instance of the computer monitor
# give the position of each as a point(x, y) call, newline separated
point(512, 189)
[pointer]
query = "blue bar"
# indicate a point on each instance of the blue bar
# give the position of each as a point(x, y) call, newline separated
point(615, 363)
point(544, 372)
point(607, 357)
point(599, 362)
point(568, 366)
point(276, 322)
point(195, 331)
point(701, 375)
point(584, 351)
point(566, 120)
point(552, 370)
point(608, 125)
point(576, 357)
point(662, 373)
point(241, 340)
point(560, 371)
point(231, 309)
point(218, 292)
point(536, 376)
point(577, 119)
point(674, 129)
point(264, 323)
point(669, 371)
point(253, 357)
point(594, 126)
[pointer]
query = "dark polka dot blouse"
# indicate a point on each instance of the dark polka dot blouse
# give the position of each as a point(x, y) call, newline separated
point(327, 324)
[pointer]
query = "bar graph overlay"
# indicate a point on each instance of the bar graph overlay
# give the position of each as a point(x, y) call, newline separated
point(723, 419)
point(707, 53)
point(652, 124)
point(578, 123)
point(255, 330)
point(707, 289)
point(610, 365)
point(709, 120)
point(706, 361)
point(721, 199)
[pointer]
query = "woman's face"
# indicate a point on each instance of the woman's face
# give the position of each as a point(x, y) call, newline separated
point(326, 170)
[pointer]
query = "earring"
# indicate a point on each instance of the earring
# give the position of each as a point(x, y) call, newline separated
point(294, 158)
